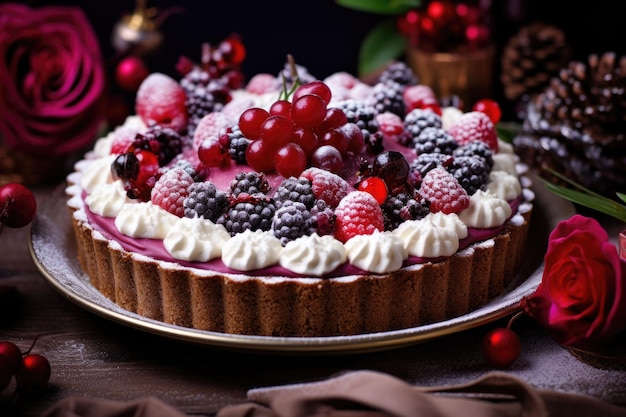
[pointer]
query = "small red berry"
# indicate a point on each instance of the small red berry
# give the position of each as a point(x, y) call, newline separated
point(18, 205)
point(376, 187)
point(490, 107)
point(12, 354)
point(130, 73)
point(34, 372)
point(501, 347)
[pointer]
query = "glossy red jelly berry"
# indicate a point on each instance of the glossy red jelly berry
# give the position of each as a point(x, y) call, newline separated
point(376, 187)
point(501, 347)
point(18, 205)
point(490, 107)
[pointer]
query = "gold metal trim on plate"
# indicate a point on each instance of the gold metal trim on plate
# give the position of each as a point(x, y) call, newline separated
point(53, 250)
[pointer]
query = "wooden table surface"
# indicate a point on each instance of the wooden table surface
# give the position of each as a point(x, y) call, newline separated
point(94, 357)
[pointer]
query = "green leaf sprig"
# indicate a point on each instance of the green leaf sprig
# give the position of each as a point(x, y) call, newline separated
point(586, 197)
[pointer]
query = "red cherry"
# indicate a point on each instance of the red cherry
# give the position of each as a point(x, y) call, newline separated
point(251, 120)
point(12, 354)
point(376, 187)
point(317, 87)
point(281, 108)
point(34, 372)
point(490, 107)
point(308, 111)
point(501, 347)
point(290, 160)
point(18, 205)
point(130, 73)
point(260, 156)
point(277, 130)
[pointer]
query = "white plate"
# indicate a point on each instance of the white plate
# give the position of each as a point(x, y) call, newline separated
point(53, 249)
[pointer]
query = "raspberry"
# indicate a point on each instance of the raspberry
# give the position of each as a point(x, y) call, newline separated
point(123, 137)
point(327, 186)
point(341, 79)
point(210, 125)
point(358, 213)
point(171, 190)
point(263, 83)
point(444, 192)
point(392, 127)
point(162, 100)
point(418, 96)
point(475, 125)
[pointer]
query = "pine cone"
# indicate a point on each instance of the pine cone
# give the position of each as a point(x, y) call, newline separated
point(577, 126)
point(531, 58)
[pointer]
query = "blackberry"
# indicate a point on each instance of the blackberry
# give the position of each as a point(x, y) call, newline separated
point(419, 119)
point(205, 200)
point(198, 175)
point(476, 148)
point(205, 94)
point(387, 97)
point(248, 212)
point(295, 189)
point(470, 171)
point(434, 139)
point(323, 217)
point(164, 142)
point(401, 207)
point(427, 161)
point(400, 73)
point(291, 221)
point(237, 144)
point(364, 116)
point(249, 183)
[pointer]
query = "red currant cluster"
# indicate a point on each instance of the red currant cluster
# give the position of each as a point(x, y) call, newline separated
point(296, 133)
point(31, 370)
point(444, 25)
point(17, 205)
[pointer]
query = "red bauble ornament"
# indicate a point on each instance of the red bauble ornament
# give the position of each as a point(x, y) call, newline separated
point(130, 73)
point(501, 347)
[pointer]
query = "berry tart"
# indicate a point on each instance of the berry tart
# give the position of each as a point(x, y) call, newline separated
point(297, 207)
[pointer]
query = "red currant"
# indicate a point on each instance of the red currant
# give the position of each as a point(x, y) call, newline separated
point(34, 372)
point(290, 160)
point(317, 87)
point(307, 139)
point(260, 156)
point(335, 117)
point(281, 108)
point(376, 187)
point(501, 347)
point(277, 131)
point(212, 153)
point(251, 120)
point(18, 205)
point(356, 140)
point(328, 158)
point(336, 138)
point(308, 111)
point(490, 107)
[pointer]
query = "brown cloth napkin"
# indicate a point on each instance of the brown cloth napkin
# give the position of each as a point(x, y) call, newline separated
point(372, 394)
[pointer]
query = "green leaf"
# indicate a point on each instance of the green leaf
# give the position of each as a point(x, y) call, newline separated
point(508, 130)
point(385, 7)
point(601, 204)
point(382, 45)
point(622, 197)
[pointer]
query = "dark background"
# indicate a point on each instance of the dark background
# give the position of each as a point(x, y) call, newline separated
point(325, 37)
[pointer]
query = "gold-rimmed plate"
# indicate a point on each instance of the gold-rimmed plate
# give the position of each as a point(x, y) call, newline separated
point(53, 249)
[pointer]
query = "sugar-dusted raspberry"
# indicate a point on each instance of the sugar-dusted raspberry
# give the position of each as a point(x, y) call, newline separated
point(123, 137)
point(475, 125)
point(443, 191)
point(418, 96)
point(210, 125)
point(161, 99)
point(263, 83)
point(392, 127)
point(358, 213)
point(171, 190)
point(341, 79)
point(327, 186)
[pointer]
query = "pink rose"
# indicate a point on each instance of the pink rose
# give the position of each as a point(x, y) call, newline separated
point(51, 79)
point(581, 299)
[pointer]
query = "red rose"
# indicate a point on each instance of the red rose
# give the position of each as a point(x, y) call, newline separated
point(581, 299)
point(51, 79)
